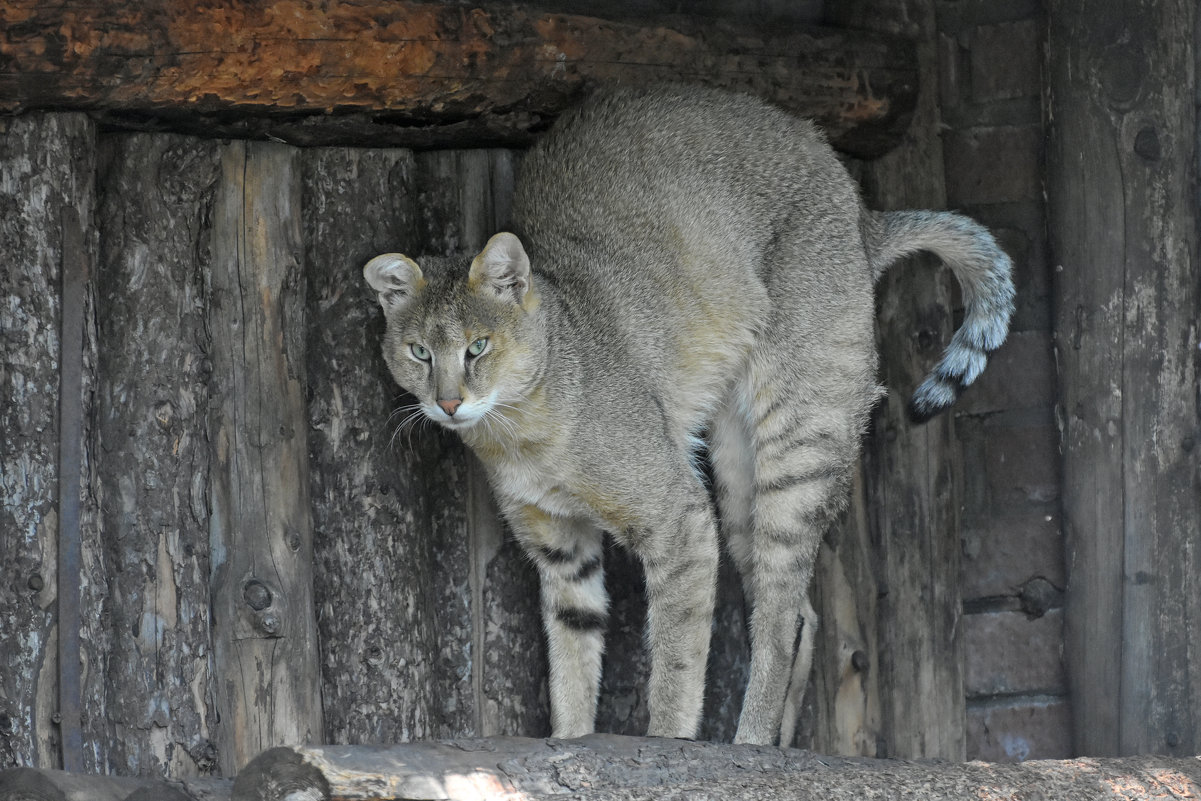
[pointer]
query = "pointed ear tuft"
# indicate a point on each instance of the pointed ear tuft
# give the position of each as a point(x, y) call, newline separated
point(502, 268)
point(396, 278)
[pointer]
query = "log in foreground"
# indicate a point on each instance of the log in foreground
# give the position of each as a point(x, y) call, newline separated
point(421, 74)
point(29, 784)
point(610, 767)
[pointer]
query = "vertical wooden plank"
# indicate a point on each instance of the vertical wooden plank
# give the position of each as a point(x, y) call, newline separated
point(47, 164)
point(842, 711)
point(265, 640)
point(909, 468)
point(464, 196)
point(374, 562)
point(152, 455)
point(1122, 177)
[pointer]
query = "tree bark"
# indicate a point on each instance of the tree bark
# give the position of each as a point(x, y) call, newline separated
point(610, 767)
point(1122, 178)
point(264, 629)
point(498, 73)
point(377, 589)
point(155, 687)
point(47, 168)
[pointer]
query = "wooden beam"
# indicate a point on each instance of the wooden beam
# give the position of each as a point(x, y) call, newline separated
point(916, 661)
point(264, 627)
point(1123, 223)
point(610, 767)
point(292, 69)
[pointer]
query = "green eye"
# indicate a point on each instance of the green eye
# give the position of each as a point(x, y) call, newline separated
point(477, 347)
point(420, 352)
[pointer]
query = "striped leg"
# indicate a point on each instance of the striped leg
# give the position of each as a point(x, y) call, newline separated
point(802, 453)
point(574, 613)
point(679, 553)
point(731, 452)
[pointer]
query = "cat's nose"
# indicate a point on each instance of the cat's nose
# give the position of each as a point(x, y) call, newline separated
point(450, 405)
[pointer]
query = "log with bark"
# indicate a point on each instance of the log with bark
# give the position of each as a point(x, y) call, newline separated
point(610, 767)
point(29, 784)
point(420, 74)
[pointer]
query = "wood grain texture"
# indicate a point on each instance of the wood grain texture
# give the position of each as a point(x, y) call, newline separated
point(152, 457)
point(1124, 218)
point(908, 468)
point(509, 68)
point(264, 628)
point(47, 168)
point(607, 767)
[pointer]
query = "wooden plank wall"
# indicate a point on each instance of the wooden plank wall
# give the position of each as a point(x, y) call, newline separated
point(1123, 207)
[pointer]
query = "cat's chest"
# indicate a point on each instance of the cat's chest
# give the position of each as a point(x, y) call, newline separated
point(534, 480)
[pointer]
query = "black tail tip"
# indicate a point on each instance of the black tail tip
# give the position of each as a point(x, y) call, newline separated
point(922, 413)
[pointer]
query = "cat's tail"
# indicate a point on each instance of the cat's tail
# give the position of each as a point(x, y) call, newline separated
point(984, 273)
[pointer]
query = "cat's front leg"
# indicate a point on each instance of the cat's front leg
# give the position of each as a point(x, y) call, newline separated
point(679, 553)
point(568, 554)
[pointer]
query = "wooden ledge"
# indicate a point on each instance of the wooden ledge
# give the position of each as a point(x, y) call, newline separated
point(391, 72)
point(604, 767)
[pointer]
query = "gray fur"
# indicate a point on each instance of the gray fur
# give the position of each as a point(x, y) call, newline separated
point(685, 260)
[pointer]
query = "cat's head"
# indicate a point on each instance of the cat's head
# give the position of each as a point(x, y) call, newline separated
point(463, 335)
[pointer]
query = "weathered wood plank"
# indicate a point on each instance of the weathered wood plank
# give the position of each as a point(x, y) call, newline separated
point(375, 567)
point(612, 767)
point(152, 456)
point(464, 197)
point(47, 168)
point(1124, 221)
point(422, 63)
point(265, 639)
point(908, 468)
point(842, 711)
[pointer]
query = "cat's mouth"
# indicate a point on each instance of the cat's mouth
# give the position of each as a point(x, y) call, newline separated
point(458, 422)
point(465, 416)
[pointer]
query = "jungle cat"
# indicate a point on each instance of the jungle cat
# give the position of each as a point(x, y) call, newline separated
point(680, 261)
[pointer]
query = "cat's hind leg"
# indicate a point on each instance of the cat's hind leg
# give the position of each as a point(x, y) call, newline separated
point(677, 544)
point(805, 435)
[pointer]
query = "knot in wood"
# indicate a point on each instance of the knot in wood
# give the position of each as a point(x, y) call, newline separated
point(1146, 144)
point(269, 623)
point(257, 595)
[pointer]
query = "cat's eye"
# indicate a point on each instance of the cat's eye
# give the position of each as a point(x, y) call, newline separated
point(420, 352)
point(477, 347)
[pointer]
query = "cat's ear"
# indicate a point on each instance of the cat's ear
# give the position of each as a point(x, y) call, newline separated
point(395, 277)
point(502, 268)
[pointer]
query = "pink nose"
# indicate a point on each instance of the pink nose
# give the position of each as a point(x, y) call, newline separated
point(451, 405)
